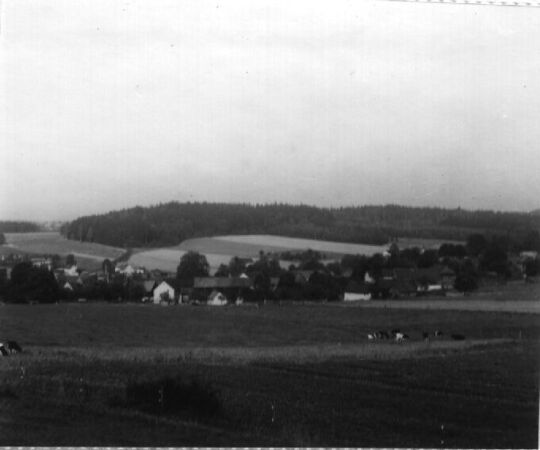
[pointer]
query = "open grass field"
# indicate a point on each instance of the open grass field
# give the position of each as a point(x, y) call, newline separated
point(406, 242)
point(512, 297)
point(301, 375)
point(255, 242)
point(220, 249)
point(89, 255)
point(167, 259)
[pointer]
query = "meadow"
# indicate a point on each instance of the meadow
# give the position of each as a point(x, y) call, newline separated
point(286, 243)
point(220, 249)
point(289, 374)
point(89, 255)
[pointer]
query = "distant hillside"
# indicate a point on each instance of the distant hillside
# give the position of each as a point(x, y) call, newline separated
point(11, 226)
point(171, 223)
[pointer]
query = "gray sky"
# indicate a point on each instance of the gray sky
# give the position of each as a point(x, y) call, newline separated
point(109, 104)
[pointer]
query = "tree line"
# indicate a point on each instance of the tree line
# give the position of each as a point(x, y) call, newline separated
point(171, 223)
point(12, 226)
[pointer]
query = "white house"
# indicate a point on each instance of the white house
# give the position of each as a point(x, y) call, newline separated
point(71, 271)
point(216, 298)
point(356, 292)
point(356, 296)
point(163, 292)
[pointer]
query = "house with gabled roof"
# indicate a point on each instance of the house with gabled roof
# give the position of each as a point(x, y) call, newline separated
point(230, 287)
point(216, 298)
point(167, 291)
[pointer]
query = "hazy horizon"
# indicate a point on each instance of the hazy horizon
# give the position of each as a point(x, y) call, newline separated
point(108, 105)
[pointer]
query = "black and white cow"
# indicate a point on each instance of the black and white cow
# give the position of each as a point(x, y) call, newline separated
point(13, 347)
point(9, 348)
point(401, 337)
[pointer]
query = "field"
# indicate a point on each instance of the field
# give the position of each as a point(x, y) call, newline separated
point(405, 242)
point(285, 243)
point(89, 255)
point(274, 375)
point(220, 249)
point(514, 296)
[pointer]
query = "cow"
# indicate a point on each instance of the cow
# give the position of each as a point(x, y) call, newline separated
point(371, 336)
point(13, 347)
point(438, 333)
point(3, 350)
point(401, 337)
point(425, 335)
point(457, 337)
point(384, 335)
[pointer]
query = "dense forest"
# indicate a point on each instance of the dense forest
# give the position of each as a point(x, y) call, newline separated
point(171, 223)
point(10, 226)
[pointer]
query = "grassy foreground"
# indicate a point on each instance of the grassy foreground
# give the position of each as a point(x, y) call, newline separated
point(99, 374)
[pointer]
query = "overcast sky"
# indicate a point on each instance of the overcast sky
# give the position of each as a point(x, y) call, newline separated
point(110, 104)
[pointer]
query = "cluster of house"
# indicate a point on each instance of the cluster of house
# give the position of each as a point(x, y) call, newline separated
point(216, 291)
point(159, 287)
point(401, 282)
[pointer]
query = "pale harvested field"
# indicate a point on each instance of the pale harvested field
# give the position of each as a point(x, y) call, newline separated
point(89, 255)
point(53, 243)
point(167, 259)
point(425, 243)
point(286, 243)
point(220, 249)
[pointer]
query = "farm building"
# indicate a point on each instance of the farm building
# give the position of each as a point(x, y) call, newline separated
point(356, 292)
point(302, 276)
point(429, 279)
point(216, 298)
point(164, 292)
point(231, 288)
point(448, 278)
point(128, 270)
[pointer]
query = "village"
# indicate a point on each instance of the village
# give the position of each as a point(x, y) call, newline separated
point(452, 270)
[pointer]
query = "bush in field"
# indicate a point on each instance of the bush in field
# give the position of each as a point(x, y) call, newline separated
point(172, 396)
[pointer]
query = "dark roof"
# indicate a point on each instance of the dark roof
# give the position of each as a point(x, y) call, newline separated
point(174, 283)
point(403, 274)
point(430, 274)
point(386, 284)
point(357, 288)
point(448, 272)
point(221, 282)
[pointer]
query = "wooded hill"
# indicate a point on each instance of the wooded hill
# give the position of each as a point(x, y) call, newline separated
point(170, 223)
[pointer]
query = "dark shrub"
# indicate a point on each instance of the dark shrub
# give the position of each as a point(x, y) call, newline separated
point(172, 396)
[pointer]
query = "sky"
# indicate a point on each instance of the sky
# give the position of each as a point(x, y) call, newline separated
point(110, 104)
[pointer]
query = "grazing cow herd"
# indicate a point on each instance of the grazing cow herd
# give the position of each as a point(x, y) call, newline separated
point(398, 336)
point(9, 348)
